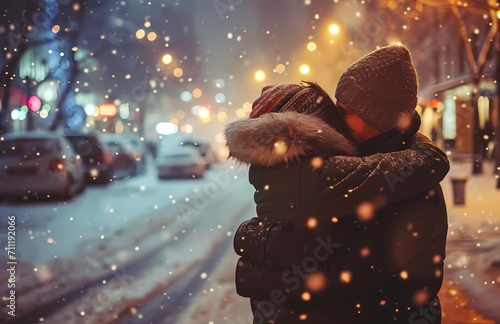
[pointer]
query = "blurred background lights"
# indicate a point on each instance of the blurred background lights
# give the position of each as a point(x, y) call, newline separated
point(204, 114)
point(14, 114)
point(167, 59)
point(247, 107)
point(259, 75)
point(187, 128)
point(140, 34)
point(46, 107)
point(47, 91)
point(107, 109)
point(304, 69)
point(220, 98)
point(90, 109)
point(166, 128)
point(178, 72)
point(222, 116)
point(151, 36)
point(186, 96)
point(240, 112)
point(197, 93)
point(18, 114)
point(124, 110)
point(219, 83)
point(44, 113)
point(311, 46)
point(195, 109)
point(280, 68)
point(334, 29)
point(34, 103)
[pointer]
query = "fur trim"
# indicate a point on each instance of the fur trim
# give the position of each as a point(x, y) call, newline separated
point(274, 138)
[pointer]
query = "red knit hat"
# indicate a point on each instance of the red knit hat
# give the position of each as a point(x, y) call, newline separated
point(302, 98)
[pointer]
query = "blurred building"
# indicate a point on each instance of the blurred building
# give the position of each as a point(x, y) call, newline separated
point(446, 78)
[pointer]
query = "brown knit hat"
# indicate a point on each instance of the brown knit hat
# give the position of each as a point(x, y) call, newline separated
point(303, 98)
point(381, 87)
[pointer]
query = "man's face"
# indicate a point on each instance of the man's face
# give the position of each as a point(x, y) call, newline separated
point(359, 129)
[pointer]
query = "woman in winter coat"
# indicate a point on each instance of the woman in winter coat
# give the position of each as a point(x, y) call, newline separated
point(324, 247)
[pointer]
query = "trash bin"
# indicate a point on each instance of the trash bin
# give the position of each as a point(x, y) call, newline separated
point(458, 183)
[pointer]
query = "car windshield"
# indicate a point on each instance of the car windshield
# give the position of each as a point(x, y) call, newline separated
point(26, 147)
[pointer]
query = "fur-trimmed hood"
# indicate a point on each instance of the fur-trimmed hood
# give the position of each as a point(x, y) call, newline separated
point(274, 138)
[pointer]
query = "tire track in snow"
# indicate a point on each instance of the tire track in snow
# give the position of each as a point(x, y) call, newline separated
point(170, 303)
point(136, 267)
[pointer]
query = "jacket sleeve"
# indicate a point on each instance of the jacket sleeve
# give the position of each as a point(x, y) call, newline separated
point(265, 242)
point(346, 183)
point(382, 178)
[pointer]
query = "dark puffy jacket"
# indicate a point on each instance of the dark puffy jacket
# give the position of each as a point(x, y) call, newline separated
point(338, 238)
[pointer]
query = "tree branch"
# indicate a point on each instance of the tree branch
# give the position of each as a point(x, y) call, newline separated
point(488, 41)
point(462, 29)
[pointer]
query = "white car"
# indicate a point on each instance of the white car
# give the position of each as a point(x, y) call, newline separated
point(40, 165)
point(179, 162)
point(182, 139)
point(131, 149)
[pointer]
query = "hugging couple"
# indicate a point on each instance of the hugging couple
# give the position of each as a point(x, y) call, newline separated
point(350, 222)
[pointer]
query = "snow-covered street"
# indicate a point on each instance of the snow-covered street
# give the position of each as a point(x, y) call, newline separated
point(95, 258)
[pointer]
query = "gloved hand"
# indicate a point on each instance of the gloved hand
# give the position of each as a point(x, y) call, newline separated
point(255, 281)
point(274, 245)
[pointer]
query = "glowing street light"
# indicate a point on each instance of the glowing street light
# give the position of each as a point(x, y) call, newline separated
point(334, 29)
point(204, 114)
point(304, 69)
point(167, 59)
point(259, 75)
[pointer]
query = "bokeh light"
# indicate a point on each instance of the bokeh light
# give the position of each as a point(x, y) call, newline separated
point(280, 68)
point(34, 103)
point(304, 69)
point(259, 75)
point(334, 29)
point(167, 59)
point(140, 34)
point(311, 46)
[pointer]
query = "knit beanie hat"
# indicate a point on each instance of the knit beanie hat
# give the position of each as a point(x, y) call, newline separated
point(381, 88)
point(302, 98)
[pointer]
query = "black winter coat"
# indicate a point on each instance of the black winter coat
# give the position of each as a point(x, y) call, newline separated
point(350, 239)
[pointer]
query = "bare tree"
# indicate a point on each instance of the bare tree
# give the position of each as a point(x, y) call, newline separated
point(461, 11)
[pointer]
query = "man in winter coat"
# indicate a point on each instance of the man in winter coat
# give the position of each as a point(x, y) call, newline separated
point(342, 239)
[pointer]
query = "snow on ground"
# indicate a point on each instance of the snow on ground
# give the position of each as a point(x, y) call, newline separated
point(218, 302)
point(111, 300)
point(61, 246)
point(473, 248)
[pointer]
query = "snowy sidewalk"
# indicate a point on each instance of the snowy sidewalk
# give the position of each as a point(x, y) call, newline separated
point(471, 287)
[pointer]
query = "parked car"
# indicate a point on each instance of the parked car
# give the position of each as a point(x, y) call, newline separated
point(96, 156)
point(129, 153)
point(179, 162)
point(39, 164)
point(182, 139)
